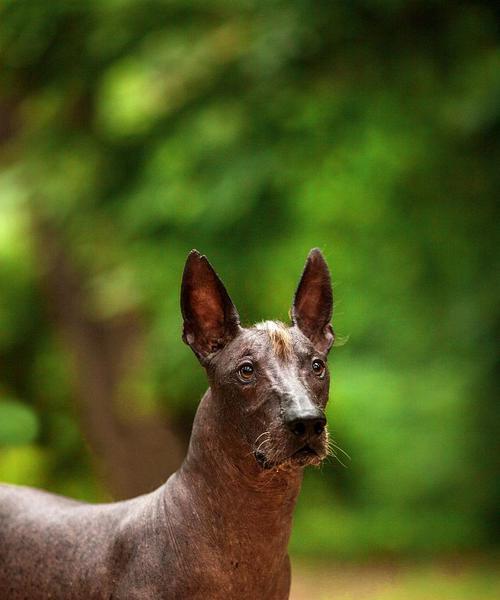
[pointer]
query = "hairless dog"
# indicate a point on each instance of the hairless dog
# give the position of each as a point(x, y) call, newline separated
point(219, 527)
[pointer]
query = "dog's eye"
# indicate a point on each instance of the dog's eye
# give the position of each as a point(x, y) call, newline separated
point(318, 366)
point(246, 371)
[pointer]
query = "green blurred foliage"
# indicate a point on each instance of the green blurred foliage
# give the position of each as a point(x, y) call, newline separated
point(254, 131)
point(18, 423)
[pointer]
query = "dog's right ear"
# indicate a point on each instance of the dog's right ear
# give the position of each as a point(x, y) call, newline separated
point(313, 302)
point(210, 318)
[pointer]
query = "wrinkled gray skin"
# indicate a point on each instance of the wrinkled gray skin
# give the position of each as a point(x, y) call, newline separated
point(219, 527)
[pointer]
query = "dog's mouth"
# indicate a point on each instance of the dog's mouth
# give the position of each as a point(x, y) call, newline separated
point(305, 455)
point(305, 451)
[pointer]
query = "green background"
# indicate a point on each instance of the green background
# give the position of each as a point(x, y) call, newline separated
point(133, 131)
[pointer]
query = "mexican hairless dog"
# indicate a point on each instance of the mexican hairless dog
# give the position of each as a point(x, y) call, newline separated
point(219, 527)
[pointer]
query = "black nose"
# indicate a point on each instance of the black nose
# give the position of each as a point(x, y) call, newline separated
point(306, 423)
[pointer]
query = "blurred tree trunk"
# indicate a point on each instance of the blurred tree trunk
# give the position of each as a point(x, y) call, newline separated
point(135, 455)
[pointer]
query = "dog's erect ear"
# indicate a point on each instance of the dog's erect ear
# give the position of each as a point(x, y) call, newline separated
point(313, 302)
point(210, 318)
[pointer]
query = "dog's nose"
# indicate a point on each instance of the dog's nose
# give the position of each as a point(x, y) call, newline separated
point(306, 423)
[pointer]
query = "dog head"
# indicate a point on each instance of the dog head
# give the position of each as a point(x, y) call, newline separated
point(271, 380)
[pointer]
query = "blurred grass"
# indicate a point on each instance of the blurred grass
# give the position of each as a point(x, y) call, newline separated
point(454, 579)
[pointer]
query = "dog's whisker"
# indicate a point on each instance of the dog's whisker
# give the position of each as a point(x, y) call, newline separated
point(337, 447)
point(262, 435)
point(332, 453)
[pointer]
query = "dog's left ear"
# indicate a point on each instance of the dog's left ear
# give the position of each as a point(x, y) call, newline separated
point(312, 306)
point(210, 318)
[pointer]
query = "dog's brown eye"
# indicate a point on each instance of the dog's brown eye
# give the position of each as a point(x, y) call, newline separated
point(246, 371)
point(318, 366)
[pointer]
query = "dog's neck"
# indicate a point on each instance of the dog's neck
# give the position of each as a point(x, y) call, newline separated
point(223, 483)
